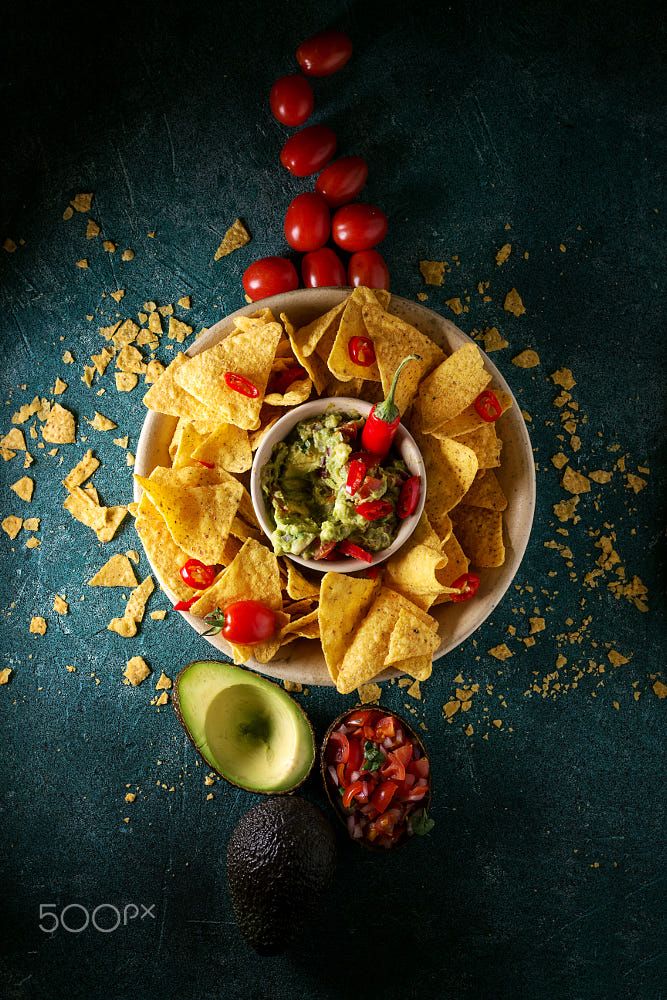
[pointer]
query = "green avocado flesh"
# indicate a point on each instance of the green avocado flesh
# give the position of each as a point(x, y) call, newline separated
point(245, 727)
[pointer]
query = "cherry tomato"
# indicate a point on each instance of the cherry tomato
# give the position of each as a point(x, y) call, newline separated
point(359, 227)
point(307, 222)
point(309, 150)
point(324, 54)
point(270, 276)
point(383, 795)
point(369, 268)
point(322, 268)
point(342, 180)
point(197, 574)
point(248, 622)
point(291, 100)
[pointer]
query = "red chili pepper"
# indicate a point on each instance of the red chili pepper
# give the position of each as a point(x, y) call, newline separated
point(409, 497)
point(207, 465)
point(197, 574)
point(383, 420)
point(468, 584)
point(186, 605)
point(284, 379)
point(361, 351)
point(347, 548)
point(373, 510)
point(488, 406)
point(241, 384)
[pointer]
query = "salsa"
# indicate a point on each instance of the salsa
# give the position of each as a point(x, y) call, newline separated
point(378, 777)
point(325, 497)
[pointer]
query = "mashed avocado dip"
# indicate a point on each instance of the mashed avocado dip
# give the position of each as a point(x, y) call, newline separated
point(304, 485)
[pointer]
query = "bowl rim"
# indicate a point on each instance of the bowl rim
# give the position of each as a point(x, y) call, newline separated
point(279, 432)
point(418, 314)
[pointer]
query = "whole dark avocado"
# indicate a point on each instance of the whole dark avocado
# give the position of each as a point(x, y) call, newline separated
point(281, 857)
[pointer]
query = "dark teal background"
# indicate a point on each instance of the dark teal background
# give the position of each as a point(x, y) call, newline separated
point(544, 875)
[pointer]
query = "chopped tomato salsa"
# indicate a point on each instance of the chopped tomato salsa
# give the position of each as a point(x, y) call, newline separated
point(379, 776)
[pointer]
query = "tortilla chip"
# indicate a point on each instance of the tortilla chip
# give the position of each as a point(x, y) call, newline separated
point(412, 573)
point(252, 575)
point(11, 525)
point(485, 492)
point(104, 521)
point(299, 608)
point(394, 339)
point(411, 637)
point(344, 601)
point(117, 572)
point(419, 667)
point(486, 445)
point(24, 488)
point(450, 470)
point(198, 517)
point(453, 386)
point(298, 392)
point(236, 237)
point(366, 652)
point(60, 426)
point(306, 627)
point(164, 555)
point(352, 325)
point(188, 442)
point(167, 396)
point(228, 446)
point(469, 419)
point(298, 587)
point(83, 470)
point(480, 533)
point(306, 339)
point(134, 610)
point(248, 353)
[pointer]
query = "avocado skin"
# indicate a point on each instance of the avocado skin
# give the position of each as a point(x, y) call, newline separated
point(281, 857)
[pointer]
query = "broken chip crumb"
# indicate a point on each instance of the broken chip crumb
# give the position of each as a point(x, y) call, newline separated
point(11, 525)
point(125, 381)
point(101, 423)
point(501, 652)
point(635, 483)
point(164, 683)
point(24, 488)
point(92, 229)
point(178, 330)
point(564, 378)
point(575, 482)
point(503, 254)
point(127, 254)
point(158, 616)
point(82, 202)
point(369, 693)
point(513, 303)
point(536, 625)
point(185, 302)
point(38, 625)
point(5, 674)
point(659, 689)
point(136, 671)
point(109, 246)
point(433, 271)
point(60, 605)
point(236, 237)
point(526, 359)
point(60, 426)
point(455, 305)
point(83, 263)
point(33, 543)
point(68, 358)
point(130, 797)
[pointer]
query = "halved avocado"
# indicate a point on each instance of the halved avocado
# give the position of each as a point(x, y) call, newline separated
point(247, 729)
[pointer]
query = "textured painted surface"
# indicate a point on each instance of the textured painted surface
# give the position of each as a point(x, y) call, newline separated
point(543, 875)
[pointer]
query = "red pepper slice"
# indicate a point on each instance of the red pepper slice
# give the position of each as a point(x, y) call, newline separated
point(347, 548)
point(373, 510)
point(325, 551)
point(197, 574)
point(341, 751)
point(409, 497)
point(383, 420)
point(361, 351)
point(207, 465)
point(468, 584)
point(186, 605)
point(356, 474)
point(284, 379)
point(241, 384)
point(488, 406)
point(350, 793)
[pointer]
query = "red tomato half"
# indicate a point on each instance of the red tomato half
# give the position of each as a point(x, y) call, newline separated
point(342, 180)
point(309, 150)
point(324, 54)
point(307, 222)
point(359, 227)
point(322, 269)
point(369, 268)
point(270, 276)
point(291, 100)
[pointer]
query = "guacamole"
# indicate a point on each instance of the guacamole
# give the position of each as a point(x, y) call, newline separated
point(304, 485)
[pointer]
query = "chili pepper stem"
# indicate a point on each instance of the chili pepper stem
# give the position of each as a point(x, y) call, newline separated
point(387, 409)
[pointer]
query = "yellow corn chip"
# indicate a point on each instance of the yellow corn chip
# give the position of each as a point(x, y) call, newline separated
point(394, 339)
point(453, 386)
point(60, 426)
point(189, 440)
point(298, 587)
point(104, 521)
point(469, 419)
point(366, 652)
point(298, 392)
point(306, 627)
point(167, 396)
point(165, 556)
point(312, 363)
point(249, 354)
point(83, 470)
point(450, 470)
point(344, 601)
point(228, 446)
point(480, 533)
point(199, 517)
point(236, 237)
point(134, 610)
point(14, 439)
point(352, 325)
point(24, 488)
point(252, 575)
point(412, 573)
point(411, 637)
point(419, 667)
point(485, 492)
point(117, 572)
point(485, 443)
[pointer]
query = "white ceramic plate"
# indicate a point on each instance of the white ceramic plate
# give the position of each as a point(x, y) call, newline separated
point(303, 660)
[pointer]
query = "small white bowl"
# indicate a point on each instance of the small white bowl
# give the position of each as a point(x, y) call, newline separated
point(403, 442)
